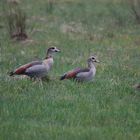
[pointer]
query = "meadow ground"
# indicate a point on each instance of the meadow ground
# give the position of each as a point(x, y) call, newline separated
point(108, 108)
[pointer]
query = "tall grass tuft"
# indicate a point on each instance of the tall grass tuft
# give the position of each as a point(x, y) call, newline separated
point(50, 6)
point(15, 21)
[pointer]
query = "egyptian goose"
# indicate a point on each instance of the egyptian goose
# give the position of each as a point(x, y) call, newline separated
point(37, 69)
point(81, 75)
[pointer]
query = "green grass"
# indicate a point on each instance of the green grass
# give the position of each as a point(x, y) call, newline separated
point(108, 108)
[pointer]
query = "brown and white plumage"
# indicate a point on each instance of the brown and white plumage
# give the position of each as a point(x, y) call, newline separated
point(37, 69)
point(81, 75)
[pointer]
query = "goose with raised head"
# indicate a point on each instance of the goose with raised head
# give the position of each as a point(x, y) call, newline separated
point(37, 69)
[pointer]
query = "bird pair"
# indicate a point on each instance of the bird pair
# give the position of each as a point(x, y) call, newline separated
point(40, 69)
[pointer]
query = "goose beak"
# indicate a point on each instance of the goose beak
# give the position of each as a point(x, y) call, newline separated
point(97, 61)
point(57, 50)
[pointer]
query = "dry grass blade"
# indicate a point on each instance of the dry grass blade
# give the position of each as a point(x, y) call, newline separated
point(135, 6)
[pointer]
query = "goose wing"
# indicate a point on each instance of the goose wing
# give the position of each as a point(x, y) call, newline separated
point(21, 70)
point(36, 71)
point(74, 73)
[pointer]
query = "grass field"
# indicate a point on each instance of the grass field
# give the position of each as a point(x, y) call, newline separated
point(108, 108)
